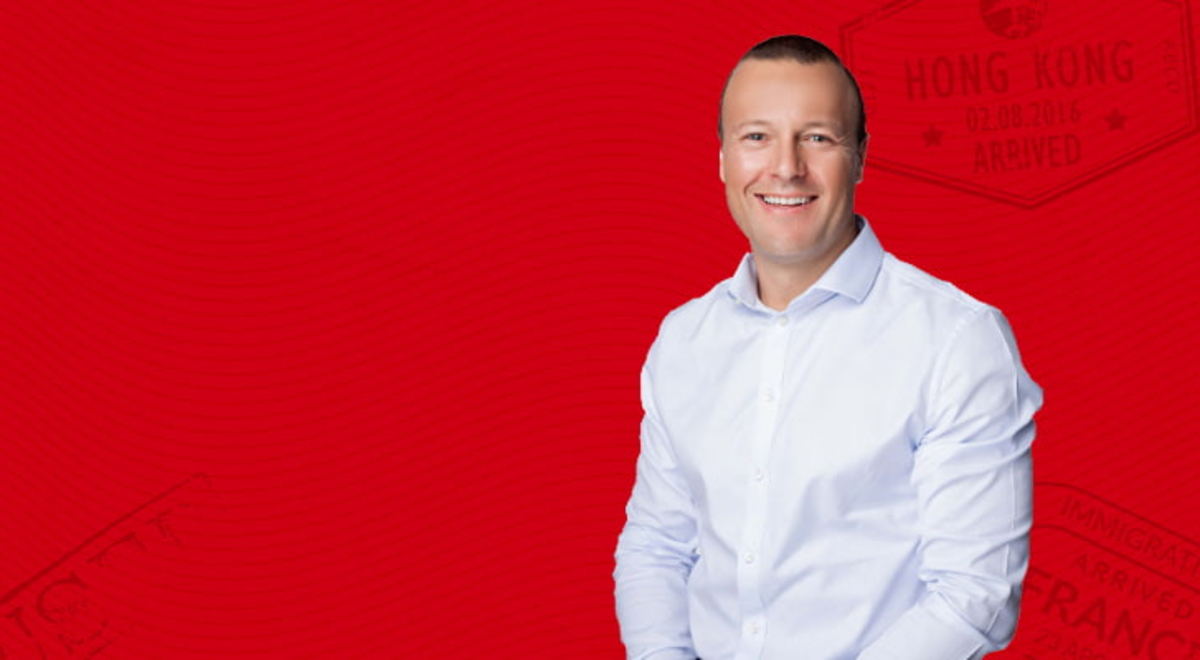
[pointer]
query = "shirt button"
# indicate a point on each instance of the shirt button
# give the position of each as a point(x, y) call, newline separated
point(752, 627)
point(768, 396)
point(781, 321)
point(759, 475)
point(749, 557)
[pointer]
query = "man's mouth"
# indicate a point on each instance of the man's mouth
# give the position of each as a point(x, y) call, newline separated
point(774, 200)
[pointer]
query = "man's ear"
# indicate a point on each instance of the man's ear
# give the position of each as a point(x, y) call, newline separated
point(721, 163)
point(862, 159)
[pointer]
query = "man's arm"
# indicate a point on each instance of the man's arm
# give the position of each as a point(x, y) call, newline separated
point(974, 483)
point(656, 550)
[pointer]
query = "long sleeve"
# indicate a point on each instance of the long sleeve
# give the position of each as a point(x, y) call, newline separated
point(973, 479)
point(656, 549)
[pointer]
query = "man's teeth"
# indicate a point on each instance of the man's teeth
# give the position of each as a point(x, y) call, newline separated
point(787, 201)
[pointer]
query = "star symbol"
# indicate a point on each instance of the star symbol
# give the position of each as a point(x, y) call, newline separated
point(1115, 120)
point(933, 137)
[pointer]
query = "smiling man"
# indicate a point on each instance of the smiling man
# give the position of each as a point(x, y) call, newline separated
point(835, 451)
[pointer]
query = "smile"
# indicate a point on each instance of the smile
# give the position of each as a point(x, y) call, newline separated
point(786, 201)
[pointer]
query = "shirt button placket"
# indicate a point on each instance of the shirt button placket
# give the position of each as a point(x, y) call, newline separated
point(749, 591)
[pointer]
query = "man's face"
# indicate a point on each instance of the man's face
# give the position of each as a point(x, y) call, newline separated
point(790, 160)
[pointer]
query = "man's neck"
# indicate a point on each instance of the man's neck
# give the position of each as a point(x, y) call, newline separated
point(781, 283)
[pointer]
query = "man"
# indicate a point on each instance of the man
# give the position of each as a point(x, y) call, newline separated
point(835, 449)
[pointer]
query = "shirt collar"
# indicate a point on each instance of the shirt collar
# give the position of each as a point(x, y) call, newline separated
point(852, 275)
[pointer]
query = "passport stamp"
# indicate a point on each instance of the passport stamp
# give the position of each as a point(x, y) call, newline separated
point(1021, 101)
point(1106, 583)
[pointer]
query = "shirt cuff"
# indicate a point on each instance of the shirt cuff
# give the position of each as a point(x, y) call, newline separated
point(919, 635)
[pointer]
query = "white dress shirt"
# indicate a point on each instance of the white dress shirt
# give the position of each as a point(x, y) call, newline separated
point(846, 479)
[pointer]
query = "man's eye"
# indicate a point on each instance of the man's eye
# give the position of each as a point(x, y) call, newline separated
point(756, 137)
point(817, 137)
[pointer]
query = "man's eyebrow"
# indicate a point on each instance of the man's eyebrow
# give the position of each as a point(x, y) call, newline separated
point(834, 126)
point(749, 123)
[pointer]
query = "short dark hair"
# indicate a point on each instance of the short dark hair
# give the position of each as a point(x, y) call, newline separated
point(805, 51)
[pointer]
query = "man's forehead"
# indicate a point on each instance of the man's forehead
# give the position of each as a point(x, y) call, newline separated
point(752, 73)
point(759, 85)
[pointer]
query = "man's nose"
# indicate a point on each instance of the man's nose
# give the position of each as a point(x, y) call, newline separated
point(789, 161)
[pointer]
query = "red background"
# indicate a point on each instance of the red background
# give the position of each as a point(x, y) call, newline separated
point(386, 275)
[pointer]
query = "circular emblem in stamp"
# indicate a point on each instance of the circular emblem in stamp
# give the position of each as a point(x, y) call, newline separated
point(1013, 19)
